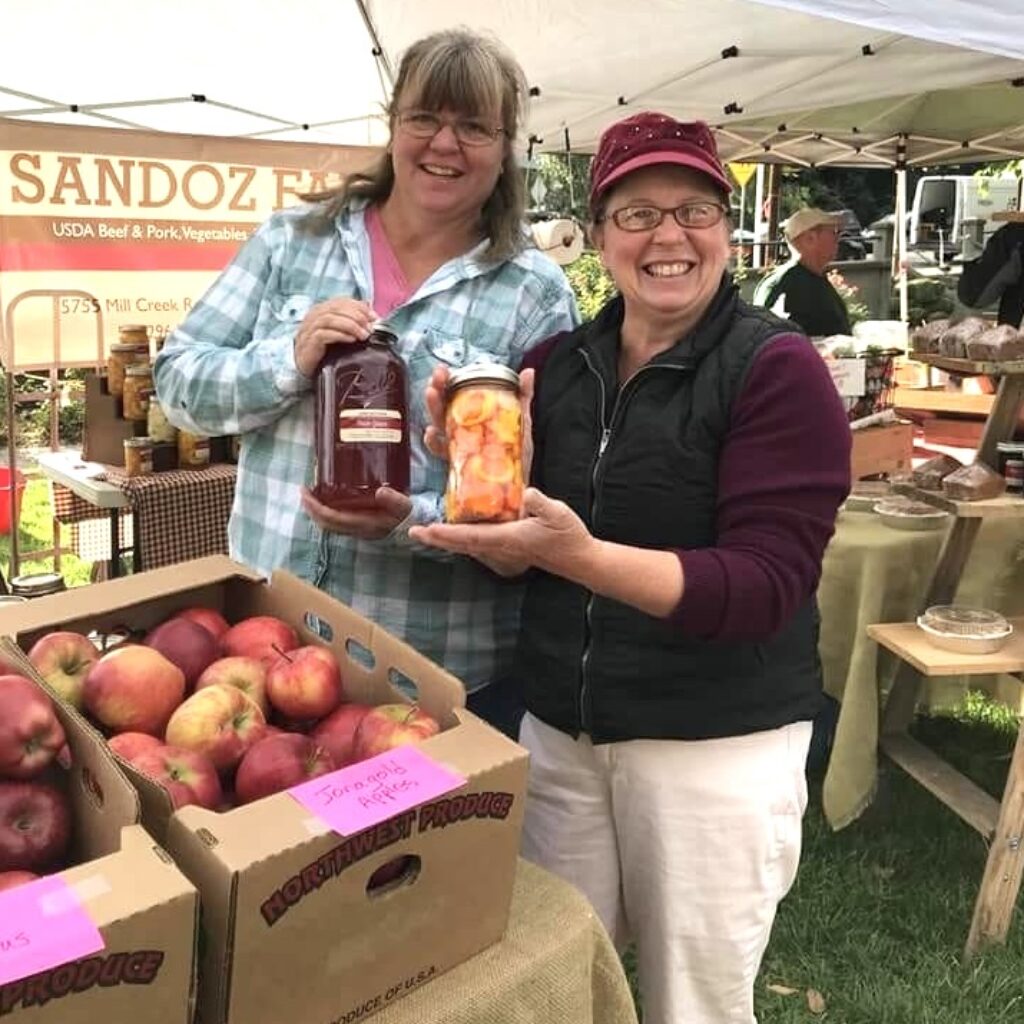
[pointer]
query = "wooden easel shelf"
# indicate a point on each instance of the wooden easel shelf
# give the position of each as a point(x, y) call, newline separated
point(1003, 506)
point(970, 367)
point(908, 642)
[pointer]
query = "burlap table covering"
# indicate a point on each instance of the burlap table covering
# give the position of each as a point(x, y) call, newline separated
point(873, 573)
point(180, 514)
point(555, 965)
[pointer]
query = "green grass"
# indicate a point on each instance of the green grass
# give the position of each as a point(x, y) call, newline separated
point(35, 532)
point(878, 917)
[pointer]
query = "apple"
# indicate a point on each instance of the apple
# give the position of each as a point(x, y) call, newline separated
point(213, 622)
point(305, 683)
point(133, 688)
point(392, 725)
point(337, 732)
point(390, 871)
point(186, 644)
point(188, 776)
point(63, 659)
point(128, 745)
point(12, 879)
point(259, 636)
point(246, 674)
point(279, 762)
point(219, 722)
point(31, 736)
point(35, 826)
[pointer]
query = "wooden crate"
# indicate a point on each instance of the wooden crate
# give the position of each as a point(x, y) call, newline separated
point(882, 449)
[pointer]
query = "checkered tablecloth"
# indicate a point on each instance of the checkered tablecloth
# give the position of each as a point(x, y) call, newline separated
point(181, 514)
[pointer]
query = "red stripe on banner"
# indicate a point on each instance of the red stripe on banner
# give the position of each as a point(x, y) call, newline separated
point(115, 256)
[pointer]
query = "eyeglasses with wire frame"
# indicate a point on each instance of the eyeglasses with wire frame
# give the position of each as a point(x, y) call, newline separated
point(425, 124)
point(699, 215)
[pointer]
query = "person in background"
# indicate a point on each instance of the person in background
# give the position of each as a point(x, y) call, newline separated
point(432, 240)
point(690, 454)
point(998, 274)
point(799, 289)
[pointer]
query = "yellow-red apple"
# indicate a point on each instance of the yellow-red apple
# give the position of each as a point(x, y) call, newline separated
point(305, 683)
point(187, 775)
point(12, 879)
point(277, 763)
point(259, 636)
point(212, 621)
point(63, 659)
point(392, 725)
point(337, 732)
point(220, 722)
point(128, 745)
point(133, 689)
point(246, 674)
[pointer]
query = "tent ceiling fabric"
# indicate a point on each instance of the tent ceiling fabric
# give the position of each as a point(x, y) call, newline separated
point(745, 66)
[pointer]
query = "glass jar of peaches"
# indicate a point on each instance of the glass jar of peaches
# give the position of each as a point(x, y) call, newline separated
point(484, 427)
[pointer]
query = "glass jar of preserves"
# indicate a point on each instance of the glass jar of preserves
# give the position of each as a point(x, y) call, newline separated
point(138, 456)
point(193, 450)
point(122, 355)
point(484, 427)
point(138, 388)
point(361, 423)
point(158, 426)
point(1011, 465)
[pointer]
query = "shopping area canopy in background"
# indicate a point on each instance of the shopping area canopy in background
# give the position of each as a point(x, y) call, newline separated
point(829, 81)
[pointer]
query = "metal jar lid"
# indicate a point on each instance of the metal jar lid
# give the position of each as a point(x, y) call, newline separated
point(483, 373)
point(1010, 446)
point(138, 442)
point(138, 370)
point(130, 346)
point(38, 584)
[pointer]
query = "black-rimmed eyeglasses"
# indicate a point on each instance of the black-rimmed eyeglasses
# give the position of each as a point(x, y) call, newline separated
point(424, 124)
point(646, 218)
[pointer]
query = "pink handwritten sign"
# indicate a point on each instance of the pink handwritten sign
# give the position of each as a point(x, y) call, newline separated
point(43, 925)
point(374, 790)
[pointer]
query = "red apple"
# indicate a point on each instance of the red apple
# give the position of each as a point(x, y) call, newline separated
point(133, 689)
point(389, 872)
point(259, 636)
point(35, 826)
point(128, 745)
point(12, 879)
point(63, 659)
point(277, 763)
point(392, 725)
point(337, 732)
point(219, 722)
point(188, 776)
point(213, 622)
point(30, 734)
point(305, 683)
point(186, 644)
point(246, 674)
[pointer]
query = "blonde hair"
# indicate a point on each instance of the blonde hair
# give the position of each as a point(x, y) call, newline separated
point(474, 76)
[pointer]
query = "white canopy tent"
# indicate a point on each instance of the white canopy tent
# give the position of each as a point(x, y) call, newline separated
point(848, 81)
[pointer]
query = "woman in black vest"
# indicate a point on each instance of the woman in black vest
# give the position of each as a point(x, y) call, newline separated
point(690, 455)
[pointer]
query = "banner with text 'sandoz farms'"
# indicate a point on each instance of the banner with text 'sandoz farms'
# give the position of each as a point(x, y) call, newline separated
point(100, 228)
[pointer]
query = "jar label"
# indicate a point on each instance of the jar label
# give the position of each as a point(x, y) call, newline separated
point(356, 426)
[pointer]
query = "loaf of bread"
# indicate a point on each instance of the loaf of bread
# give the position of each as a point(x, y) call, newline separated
point(997, 344)
point(973, 483)
point(953, 342)
point(925, 339)
point(929, 475)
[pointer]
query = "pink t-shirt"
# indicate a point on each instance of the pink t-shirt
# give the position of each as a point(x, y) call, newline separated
point(390, 288)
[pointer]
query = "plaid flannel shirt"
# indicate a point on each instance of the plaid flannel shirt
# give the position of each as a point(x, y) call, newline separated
point(230, 369)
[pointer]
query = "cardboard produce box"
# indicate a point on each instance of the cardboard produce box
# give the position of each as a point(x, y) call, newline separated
point(291, 934)
point(147, 912)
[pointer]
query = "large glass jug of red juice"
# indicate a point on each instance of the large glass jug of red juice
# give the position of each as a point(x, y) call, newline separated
point(362, 423)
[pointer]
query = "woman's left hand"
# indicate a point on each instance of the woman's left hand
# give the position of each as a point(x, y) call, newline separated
point(392, 508)
point(550, 536)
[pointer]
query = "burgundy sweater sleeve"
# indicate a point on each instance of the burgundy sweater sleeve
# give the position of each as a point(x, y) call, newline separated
point(784, 470)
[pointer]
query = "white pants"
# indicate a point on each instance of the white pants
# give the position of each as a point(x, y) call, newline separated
point(687, 847)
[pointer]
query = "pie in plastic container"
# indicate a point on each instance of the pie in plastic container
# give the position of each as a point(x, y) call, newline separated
point(906, 514)
point(963, 629)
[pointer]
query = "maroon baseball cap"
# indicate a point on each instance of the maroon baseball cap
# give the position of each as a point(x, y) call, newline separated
point(651, 138)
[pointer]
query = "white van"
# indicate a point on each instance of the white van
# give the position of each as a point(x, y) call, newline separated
point(944, 206)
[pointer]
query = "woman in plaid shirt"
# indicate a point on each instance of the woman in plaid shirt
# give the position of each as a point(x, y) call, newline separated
point(431, 238)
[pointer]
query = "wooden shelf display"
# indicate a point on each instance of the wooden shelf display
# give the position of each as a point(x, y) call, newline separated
point(1004, 506)
point(909, 642)
point(970, 367)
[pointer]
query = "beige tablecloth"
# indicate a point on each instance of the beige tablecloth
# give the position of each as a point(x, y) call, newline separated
point(555, 965)
point(873, 573)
